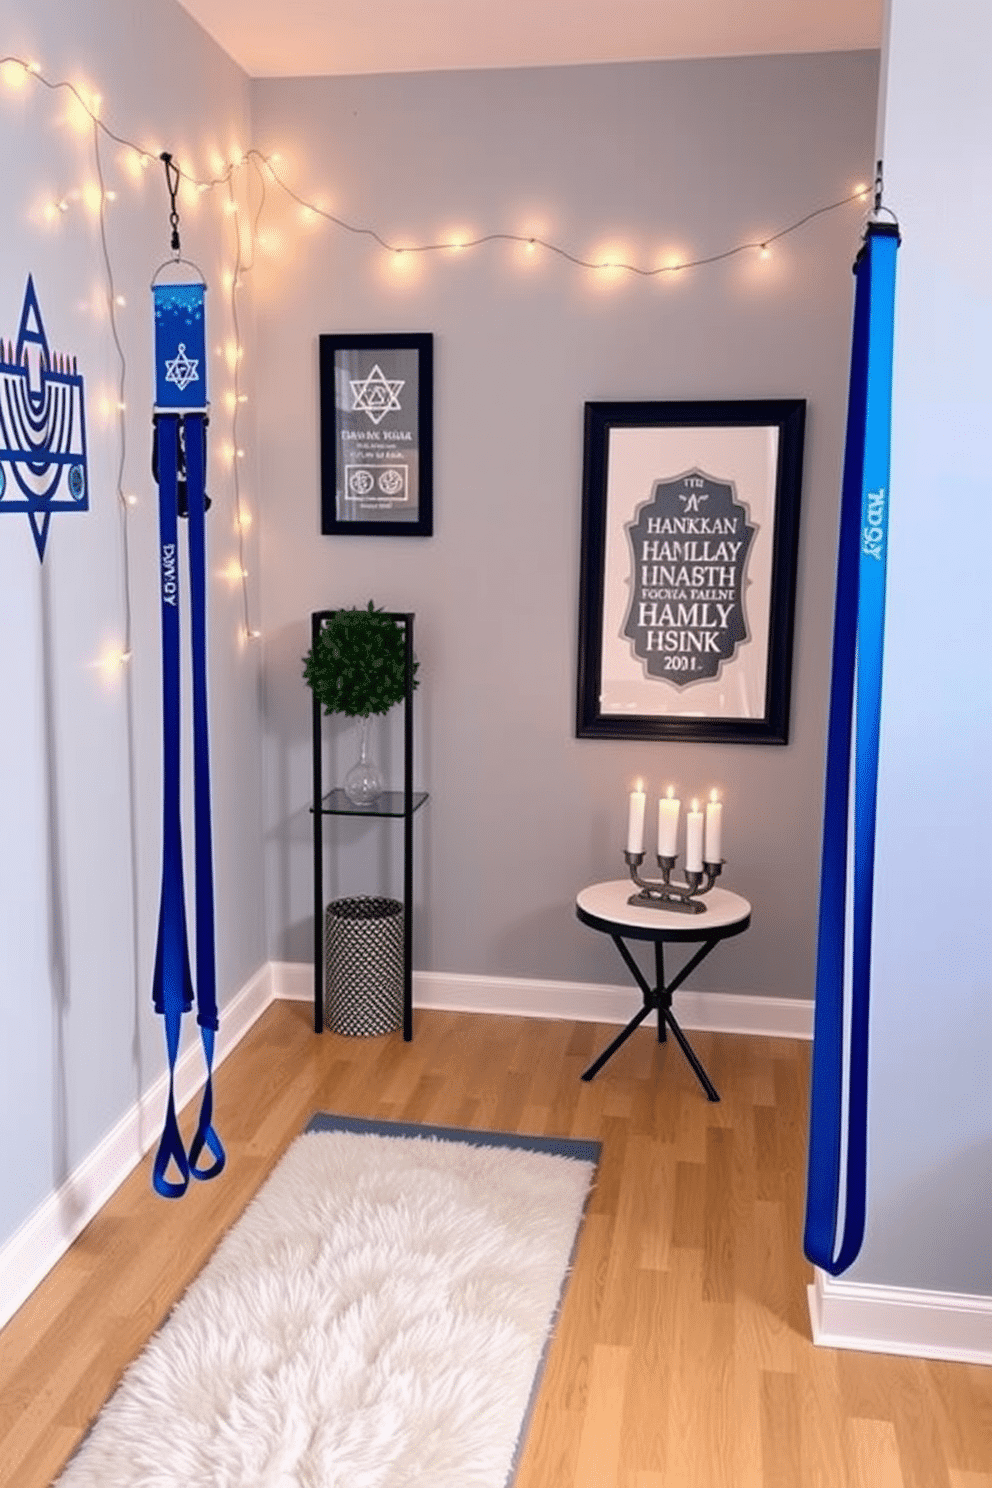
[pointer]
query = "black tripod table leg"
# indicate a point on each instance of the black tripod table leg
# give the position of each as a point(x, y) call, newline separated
point(621, 1039)
point(663, 997)
point(690, 1054)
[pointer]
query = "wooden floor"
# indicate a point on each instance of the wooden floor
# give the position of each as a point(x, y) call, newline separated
point(682, 1357)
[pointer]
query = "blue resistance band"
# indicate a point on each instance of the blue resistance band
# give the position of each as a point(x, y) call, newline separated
point(180, 462)
point(836, 1190)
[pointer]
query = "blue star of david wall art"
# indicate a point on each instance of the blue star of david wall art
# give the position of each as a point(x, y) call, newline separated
point(43, 468)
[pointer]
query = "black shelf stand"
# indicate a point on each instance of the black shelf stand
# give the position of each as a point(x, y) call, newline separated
point(395, 804)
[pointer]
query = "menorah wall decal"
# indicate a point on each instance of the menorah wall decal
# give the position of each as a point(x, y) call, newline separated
point(43, 467)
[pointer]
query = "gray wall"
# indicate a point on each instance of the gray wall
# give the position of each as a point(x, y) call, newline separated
point(691, 157)
point(80, 747)
point(930, 1127)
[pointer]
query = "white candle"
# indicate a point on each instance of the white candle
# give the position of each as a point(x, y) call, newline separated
point(694, 840)
point(714, 828)
point(668, 825)
point(635, 820)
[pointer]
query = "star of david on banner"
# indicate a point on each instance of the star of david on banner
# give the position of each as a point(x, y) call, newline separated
point(182, 369)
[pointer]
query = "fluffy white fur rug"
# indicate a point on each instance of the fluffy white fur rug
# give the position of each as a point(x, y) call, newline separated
point(375, 1319)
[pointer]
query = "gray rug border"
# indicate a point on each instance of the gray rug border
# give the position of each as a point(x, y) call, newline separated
point(584, 1150)
point(572, 1147)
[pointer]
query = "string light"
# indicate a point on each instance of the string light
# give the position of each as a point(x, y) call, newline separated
point(124, 503)
point(531, 241)
point(242, 519)
point(113, 661)
point(84, 112)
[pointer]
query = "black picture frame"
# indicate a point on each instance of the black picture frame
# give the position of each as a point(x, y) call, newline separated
point(377, 434)
point(690, 531)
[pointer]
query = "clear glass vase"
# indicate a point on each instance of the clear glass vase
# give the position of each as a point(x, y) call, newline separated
point(363, 783)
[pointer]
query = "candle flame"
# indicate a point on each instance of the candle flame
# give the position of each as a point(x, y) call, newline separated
point(695, 805)
point(671, 792)
point(713, 795)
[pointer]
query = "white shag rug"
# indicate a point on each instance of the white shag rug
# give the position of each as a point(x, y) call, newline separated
point(377, 1318)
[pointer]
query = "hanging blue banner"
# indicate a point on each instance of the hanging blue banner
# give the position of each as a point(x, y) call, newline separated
point(180, 468)
point(836, 1194)
point(180, 346)
point(43, 467)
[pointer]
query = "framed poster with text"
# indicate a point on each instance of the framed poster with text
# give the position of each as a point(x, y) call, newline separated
point(376, 434)
point(690, 528)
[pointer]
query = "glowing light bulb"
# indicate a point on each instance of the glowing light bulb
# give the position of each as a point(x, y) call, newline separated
point(112, 661)
point(15, 74)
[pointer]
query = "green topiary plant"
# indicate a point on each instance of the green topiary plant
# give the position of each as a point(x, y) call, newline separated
point(357, 666)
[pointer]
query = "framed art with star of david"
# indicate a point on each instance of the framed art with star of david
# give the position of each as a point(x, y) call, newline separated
point(690, 530)
point(376, 434)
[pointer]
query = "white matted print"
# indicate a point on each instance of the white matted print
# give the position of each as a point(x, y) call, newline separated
point(689, 536)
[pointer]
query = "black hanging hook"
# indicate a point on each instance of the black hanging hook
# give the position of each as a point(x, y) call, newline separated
point(881, 217)
point(172, 179)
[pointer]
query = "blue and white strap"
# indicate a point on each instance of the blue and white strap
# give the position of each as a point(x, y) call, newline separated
point(836, 1193)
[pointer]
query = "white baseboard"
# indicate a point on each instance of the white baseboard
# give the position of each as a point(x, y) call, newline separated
point(46, 1235)
point(896, 1320)
point(583, 1002)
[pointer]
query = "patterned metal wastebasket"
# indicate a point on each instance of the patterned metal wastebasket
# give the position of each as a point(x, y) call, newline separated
point(363, 965)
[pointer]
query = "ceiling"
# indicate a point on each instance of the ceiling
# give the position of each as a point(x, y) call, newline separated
point(303, 38)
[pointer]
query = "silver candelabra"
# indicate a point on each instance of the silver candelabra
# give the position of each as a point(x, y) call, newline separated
point(684, 898)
